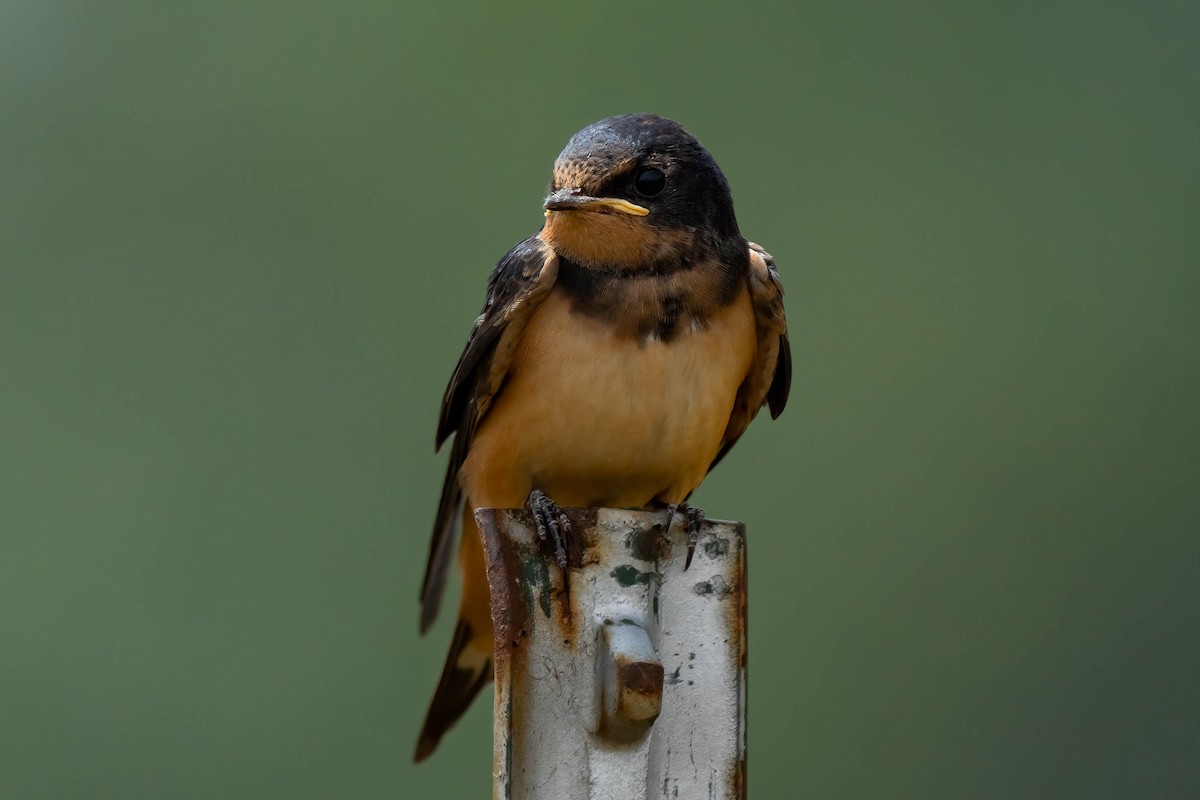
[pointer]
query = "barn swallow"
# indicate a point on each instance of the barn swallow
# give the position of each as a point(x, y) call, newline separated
point(621, 352)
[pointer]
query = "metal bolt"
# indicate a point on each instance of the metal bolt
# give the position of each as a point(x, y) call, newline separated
point(630, 680)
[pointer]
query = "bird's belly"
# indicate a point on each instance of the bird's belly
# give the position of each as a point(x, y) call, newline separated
point(597, 418)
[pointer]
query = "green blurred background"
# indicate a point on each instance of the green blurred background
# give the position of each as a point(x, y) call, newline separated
point(241, 245)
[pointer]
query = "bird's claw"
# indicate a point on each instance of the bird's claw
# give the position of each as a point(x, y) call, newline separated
point(695, 518)
point(553, 528)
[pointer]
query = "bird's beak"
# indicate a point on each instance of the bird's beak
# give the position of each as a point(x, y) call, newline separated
point(576, 200)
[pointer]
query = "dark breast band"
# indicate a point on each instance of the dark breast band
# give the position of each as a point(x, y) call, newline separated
point(658, 302)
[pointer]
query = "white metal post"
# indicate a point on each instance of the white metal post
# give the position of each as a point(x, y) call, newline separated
point(631, 683)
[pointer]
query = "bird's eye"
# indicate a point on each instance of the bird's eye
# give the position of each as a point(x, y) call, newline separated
point(650, 182)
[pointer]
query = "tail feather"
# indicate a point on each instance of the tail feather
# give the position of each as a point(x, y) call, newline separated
point(445, 527)
point(468, 669)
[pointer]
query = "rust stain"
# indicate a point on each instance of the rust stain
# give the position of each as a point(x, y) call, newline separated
point(740, 626)
point(510, 617)
point(583, 535)
point(583, 524)
point(641, 677)
point(510, 621)
point(740, 622)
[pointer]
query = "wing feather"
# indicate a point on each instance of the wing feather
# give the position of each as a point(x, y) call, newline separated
point(770, 376)
point(520, 281)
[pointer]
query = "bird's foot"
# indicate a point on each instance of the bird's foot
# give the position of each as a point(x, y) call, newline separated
point(553, 528)
point(695, 517)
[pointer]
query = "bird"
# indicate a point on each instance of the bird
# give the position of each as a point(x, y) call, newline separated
point(621, 352)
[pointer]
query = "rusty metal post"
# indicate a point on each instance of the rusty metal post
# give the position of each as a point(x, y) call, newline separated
point(632, 683)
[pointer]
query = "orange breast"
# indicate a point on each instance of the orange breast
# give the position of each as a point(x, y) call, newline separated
point(596, 418)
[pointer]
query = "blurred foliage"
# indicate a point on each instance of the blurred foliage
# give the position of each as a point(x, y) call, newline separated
point(241, 245)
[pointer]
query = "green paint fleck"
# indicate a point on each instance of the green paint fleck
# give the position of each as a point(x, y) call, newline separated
point(535, 573)
point(629, 575)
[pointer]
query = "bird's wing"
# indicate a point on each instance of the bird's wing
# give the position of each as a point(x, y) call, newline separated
point(520, 281)
point(770, 376)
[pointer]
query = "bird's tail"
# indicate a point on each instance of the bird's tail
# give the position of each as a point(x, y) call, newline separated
point(468, 665)
point(468, 669)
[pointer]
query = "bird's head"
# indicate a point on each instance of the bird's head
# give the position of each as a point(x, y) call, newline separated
point(635, 192)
